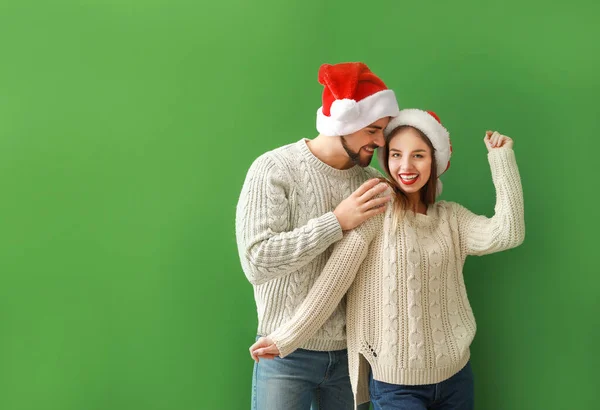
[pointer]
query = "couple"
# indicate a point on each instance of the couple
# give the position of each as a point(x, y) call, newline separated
point(383, 315)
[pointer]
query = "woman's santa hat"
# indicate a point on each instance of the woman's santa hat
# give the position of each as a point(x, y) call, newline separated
point(353, 98)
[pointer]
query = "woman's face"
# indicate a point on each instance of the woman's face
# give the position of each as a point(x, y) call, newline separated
point(409, 160)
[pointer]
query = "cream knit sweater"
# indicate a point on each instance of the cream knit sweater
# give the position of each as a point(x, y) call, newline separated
point(408, 314)
point(285, 227)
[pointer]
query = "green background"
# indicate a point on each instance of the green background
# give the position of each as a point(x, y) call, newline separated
point(126, 130)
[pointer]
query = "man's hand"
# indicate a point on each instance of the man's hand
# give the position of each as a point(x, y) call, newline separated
point(362, 204)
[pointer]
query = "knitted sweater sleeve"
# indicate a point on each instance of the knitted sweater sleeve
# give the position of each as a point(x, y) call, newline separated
point(329, 288)
point(480, 235)
point(267, 245)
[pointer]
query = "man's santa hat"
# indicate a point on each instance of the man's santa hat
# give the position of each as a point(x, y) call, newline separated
point(353, 98)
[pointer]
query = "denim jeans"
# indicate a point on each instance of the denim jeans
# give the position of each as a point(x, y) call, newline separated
point(455, 393)
point(303, 380)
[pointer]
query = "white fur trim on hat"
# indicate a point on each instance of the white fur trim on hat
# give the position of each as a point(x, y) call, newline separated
point(437, 134)
point(345, 110)
point(348, 116)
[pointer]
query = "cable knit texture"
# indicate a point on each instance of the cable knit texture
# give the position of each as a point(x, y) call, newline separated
point(408, 315)
point(285, 227)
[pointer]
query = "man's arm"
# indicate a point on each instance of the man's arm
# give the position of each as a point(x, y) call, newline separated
point(267, 245)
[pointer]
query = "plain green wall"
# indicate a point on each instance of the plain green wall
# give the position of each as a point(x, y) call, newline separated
point(126, 130)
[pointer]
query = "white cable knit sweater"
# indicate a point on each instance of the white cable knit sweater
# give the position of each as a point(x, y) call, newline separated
point(408, 314)
point(285, 227)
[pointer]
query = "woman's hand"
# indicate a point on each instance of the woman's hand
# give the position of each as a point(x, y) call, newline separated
point(495, 140)
point(264, 348)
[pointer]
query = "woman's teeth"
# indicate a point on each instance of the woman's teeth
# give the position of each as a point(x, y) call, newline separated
point(408, 179)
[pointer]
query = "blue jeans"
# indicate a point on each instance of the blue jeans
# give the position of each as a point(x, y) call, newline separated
point(455, 393)
point(303, 380)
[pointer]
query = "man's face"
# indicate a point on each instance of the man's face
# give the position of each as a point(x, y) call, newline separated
point(361, 144)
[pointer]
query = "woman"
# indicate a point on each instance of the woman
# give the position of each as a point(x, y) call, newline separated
point(409, 323)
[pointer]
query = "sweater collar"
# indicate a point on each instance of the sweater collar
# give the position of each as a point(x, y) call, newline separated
point(424, 220)
point(323, 167)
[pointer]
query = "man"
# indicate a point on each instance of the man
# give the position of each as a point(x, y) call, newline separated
point(295, 203)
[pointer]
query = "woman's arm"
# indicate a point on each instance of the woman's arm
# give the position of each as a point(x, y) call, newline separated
point(506, 229)
point(324, 296)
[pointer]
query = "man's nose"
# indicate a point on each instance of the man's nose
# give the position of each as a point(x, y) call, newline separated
point(379, 140)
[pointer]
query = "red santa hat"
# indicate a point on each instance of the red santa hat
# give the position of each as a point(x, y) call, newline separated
point(353, 98)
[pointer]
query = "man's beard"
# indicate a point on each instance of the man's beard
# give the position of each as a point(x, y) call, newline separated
point(355, 156)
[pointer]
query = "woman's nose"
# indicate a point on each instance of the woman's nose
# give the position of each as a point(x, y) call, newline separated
point(405, 164)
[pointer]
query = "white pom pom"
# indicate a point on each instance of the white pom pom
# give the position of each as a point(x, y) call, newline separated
point(438, 188)
point(345, 110)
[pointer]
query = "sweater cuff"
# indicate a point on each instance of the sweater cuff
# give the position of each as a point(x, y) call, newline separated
point(331, 227)
point(283, 347)
point(501, 155)
point(502, 162)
